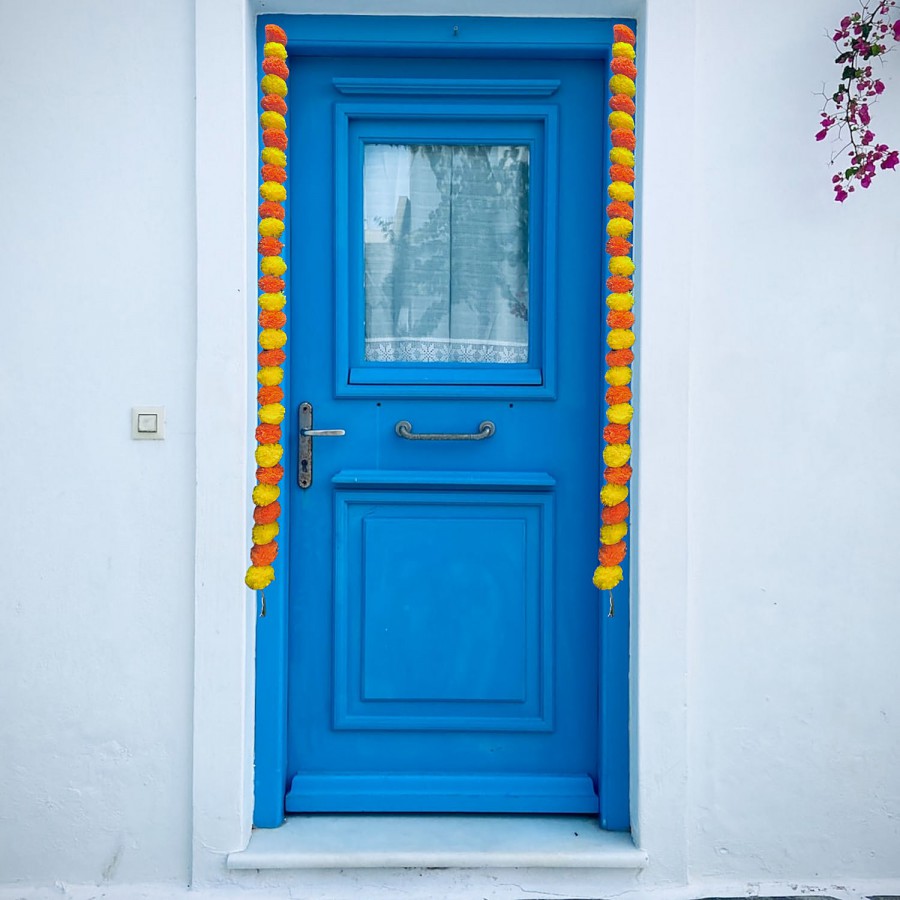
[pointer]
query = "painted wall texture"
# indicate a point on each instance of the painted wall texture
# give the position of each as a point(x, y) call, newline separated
point(769, 384)
point(97, 280)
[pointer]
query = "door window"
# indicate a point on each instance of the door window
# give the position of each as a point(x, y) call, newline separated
point(446, 253)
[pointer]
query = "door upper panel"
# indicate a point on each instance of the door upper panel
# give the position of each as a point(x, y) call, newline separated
point(445, 228)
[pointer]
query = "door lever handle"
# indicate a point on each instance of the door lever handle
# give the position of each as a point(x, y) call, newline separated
point(307, 433)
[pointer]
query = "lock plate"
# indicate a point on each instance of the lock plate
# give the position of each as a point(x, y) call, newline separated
point(304, 458)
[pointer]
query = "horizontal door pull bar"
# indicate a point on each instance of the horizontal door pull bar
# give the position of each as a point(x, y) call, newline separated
point(485, 430)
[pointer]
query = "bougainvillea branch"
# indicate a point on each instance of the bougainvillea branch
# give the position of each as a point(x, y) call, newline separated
point(860, 39)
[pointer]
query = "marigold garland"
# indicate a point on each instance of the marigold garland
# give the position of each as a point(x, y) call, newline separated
point(271, 301)
point(620, 300)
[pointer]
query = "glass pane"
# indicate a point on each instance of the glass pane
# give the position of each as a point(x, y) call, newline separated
point(446, 253)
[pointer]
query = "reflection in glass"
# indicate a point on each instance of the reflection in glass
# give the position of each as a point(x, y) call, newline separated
point(446, 253)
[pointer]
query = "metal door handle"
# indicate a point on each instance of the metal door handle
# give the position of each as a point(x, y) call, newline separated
point(485, 430)
point(307, 433)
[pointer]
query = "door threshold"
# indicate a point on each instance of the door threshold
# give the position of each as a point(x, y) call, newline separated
point(438, 841)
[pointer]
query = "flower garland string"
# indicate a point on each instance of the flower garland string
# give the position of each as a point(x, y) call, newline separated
point(620, 318)
point(272, 318)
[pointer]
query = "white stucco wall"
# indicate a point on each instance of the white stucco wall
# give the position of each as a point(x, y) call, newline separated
point(98, 310)
point(794, 697)
point(765, 687)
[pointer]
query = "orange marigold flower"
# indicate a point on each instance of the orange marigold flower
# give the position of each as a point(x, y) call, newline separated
point(618, 475)
point(269, 393)
point(264, 554)
point(620, 33)
point(620, 318)
point(275, 318)
point(611, 554)
point(623, 138)
point(269, 209)
point(619, 209)
point(619, 393)
point(273, 138)
point(616, 283)
point(271, 357)
point(611, 515)
point(270, 284)
point(268, 434)
point(622, 103)
point(620, 357)
point(269, 246)
point(621, 173)
point(274, 103)
point(263, 515)
point(618, 246)
point(276, 34)
point(272, 65)
point(622, 66)
point(616, 434)
point(273, 173)
point(269, 474)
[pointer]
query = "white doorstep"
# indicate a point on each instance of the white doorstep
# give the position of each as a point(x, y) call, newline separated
point(438, 841)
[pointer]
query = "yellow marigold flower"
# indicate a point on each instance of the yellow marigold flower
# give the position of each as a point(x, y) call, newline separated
point(621, 190)
point(272, 301)
point(264, 494)
point(280, 52)
point(621, 265)
point(619, 338)
point(272, 190)
point(621, 156)
point(612, 534)
point(273, 120)
point(273, 156)
point(259, 577)
point(269, 375)
point(618, 375)
point(271, 414)
point(618, 119)
point(270, 227)
point(607, 577)
point(620, 413)
point(272, 84)
point(272, 338)
point(268, 454)
point(618, 84)
point(613, 494)
point(619, 227)
point(620, 301)
point(619, 48)
point(265, 534)
point(272, 265)
point(615, 455)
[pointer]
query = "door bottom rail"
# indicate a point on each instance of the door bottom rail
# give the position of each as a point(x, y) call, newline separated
point(469, 793)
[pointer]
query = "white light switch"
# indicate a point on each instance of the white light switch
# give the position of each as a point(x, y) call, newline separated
point(148, 423)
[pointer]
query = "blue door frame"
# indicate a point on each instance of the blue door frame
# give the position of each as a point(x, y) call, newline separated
point(475, 37)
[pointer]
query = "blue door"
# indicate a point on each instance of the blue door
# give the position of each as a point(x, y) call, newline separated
point(445, 232)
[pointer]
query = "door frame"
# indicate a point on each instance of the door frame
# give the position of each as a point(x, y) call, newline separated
point(492, 37)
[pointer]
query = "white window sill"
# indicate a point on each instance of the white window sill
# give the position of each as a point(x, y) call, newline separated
point(449, 841)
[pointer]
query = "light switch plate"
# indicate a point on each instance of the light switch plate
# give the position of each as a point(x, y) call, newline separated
point(148, 423)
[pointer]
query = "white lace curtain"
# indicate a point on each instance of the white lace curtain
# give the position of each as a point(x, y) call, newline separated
point(446, 253)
